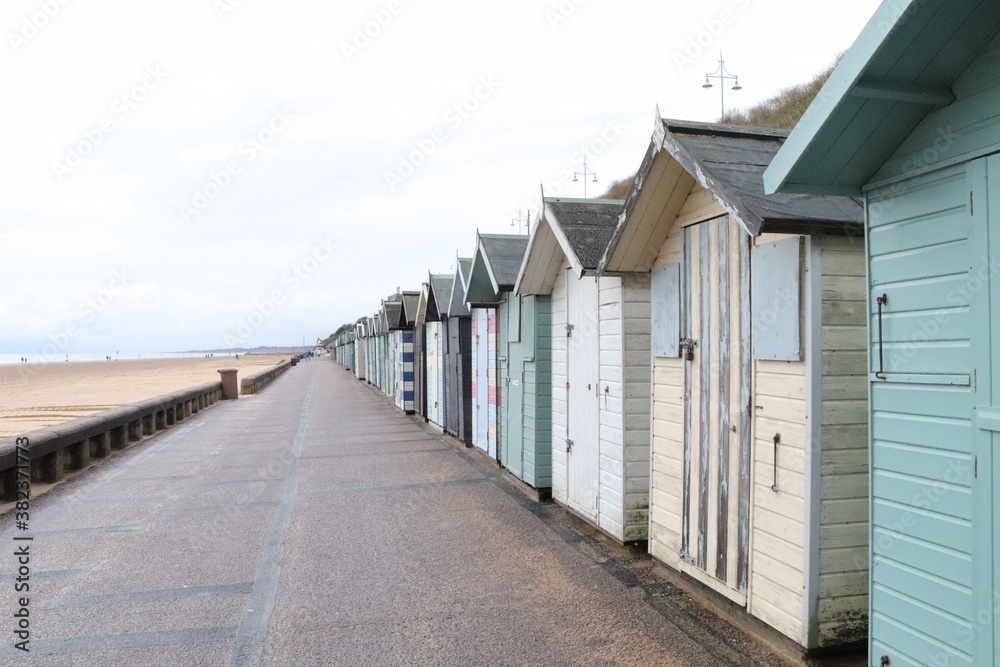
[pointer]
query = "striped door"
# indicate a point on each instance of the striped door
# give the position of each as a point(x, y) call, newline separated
point(715, 276)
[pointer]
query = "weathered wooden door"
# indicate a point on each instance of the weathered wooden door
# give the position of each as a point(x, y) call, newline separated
point(582, 407)
point(513, 399)
point(716, 338)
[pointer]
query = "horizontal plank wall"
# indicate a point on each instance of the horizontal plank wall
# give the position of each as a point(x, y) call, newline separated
point(843, 569)
point(778, 518)
point(538, 392)
point(612, 437)
point(636, 388)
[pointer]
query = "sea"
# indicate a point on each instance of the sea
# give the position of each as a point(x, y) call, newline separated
point(63, 358)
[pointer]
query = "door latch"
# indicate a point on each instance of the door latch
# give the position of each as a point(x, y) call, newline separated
point(688, 345)
point(569, 331)
point(569, 445)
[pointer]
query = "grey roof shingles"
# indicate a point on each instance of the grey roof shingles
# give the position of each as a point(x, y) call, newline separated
point(505, 252)
point(588, 226)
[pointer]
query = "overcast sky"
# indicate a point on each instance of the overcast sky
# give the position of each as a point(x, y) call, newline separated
point(215, 173)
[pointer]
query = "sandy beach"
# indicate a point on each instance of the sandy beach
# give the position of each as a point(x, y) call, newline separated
point(37, 395)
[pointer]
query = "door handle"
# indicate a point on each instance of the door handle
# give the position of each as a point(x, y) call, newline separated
point(988, 418)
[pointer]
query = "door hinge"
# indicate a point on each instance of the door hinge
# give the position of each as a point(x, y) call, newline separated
point(975, 467)
point(569, 445)
point(972, 204)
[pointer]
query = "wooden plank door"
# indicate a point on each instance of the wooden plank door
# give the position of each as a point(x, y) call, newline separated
point(480, 380)
point(513, 399)
point(582, 406)
point(715, 305)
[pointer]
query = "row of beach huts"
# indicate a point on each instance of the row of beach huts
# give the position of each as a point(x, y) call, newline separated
point(773, 363)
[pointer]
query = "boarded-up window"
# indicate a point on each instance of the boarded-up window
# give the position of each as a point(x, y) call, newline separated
point(665, 297)
point(775, 270)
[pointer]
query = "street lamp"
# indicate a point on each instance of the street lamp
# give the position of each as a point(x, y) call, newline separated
point(722, 75)
point(585, 174)
point(519, 219)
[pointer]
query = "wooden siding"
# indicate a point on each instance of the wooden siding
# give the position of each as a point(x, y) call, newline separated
point(559, 490)
point(922, 257)
point(843, 539)
point(778, 518)
point(636, 404)
point(700, 206)
point(538, 392)
point(968, 127)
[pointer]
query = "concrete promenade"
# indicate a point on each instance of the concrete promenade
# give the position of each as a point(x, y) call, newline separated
point(315, 524)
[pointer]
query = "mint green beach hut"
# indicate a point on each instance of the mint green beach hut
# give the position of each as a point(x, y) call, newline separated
point(910, 120)
point(524, 358)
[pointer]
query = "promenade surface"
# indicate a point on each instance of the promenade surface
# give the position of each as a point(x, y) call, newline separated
point(315, 524)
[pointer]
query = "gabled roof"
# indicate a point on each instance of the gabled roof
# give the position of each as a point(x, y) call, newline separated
point(422, 303)
point(438, 295)
point(901, 68)
point(392, 310)
point(440, 285)
point(494, 267)
point(408, 313)
point(456, 305)
point(575, 229)
point(729, 162)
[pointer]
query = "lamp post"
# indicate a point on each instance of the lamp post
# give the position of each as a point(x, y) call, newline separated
point(585, 174)
point(519, 219)
point(722, 74)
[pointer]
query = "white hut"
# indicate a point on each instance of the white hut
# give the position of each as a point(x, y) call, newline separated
point(600, 366)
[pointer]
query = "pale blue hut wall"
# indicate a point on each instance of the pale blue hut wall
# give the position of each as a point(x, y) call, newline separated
point(965, 129)
point(922, 257)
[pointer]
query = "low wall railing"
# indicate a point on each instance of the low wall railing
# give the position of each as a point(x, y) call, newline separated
point(72, 444)
point(252, 384)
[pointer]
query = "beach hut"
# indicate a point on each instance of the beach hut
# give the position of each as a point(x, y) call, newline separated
point(600, 366)
point(419, 319)
point(402, 353)
point(524, 358)
point(458, 357)
point(438, 301)
point(759, 443)
point(483, 347)
point(909, 120)
point(360, 348)
point(389, 319)
point(494, 252)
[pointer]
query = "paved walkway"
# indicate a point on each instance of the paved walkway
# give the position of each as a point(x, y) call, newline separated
point(315, 524)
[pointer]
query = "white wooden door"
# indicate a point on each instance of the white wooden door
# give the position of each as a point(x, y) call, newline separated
point(582, 366)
